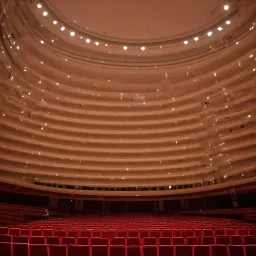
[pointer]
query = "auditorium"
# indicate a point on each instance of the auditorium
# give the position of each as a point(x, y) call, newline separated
point(127, 128)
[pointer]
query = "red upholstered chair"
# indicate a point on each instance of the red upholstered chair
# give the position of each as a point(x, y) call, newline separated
point(83, 241)
point(25, 232)
point(38, 250)
point(236, 250)
point(144, 233)
point(219, 249)
point(117, 250)
point(36, 232)
point(183, 250)
point(118, 241)
point(154, 233)
point(242, 232)
point(5, 238)
point(86, 234)
point(99, 241)
point(20, 239)
point(96, 233)
point(20, 249)
point(166, 250)
point(52, 240)
point(99, 250)
point(223, 240)
point(202, 250)
point(73, 233)
point(178, 240)
point(68, 240)
point(219, 232)
point(14, 231)
point(133, 241)
point(57, 250)
point(121, 233)
point(47, 232)
point(37, 240)
point(198, 232)
point(60, 233)
point(133, 251)
point(208, 232)
point(133, 233)
point(149, 250)
point(249, 240)
point(230, 232)
point(250, 250)
point(207, 240)
point(4, 230)
point(149, 241)
point(108, 234)
point(167, 233)
point(5, 249)
point(236, 240)
point(186, 233)
point(78, 250)
point(192, 240)
point(176, 233)
point(164, 241)
point(253, 232)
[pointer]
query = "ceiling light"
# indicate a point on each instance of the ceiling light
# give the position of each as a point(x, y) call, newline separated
point(97, 43)
point(55, 22)
point(39, 6)
point(220, 28)
point(62, 28)
point(125, 48)
point(209, 33)
point(185, 42)
point(45, 13)
point(226, 7)
point(87, 40)
point(42, 42)
point(196, 38)
point(143, 48)
point(106, 45)
point(228, 22)
point(72, 33)
point(170, 187)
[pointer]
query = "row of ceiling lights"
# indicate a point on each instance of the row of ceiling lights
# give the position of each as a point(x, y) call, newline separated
point(143, 48)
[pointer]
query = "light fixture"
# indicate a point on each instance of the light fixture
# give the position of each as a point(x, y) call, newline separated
point(228, 22)
point(72, 33)
point(185, 42)
point(45, 13)
point(87, 40)
point(143, 48)
point(170, 187)
point(209, 33)
point(125, 48)
point(106, 45)
point(55, 22)
point(226, 7)
point(97, 43)
point(39, 6)
point(196, 38)
point(62, 28)
point(42, 42)
point(220, 28)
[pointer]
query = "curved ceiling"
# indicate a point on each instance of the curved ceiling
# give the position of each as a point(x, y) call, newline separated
point(165, 115)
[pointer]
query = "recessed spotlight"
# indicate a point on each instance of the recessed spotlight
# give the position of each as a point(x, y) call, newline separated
point(39, 6)
point(55, 22)
point(185, 42)
point(106, 45)
point(228, 22)
point(97, 43)
point(72, 33)
point(45, 13)
point(42, 42)
point(196, 38)
point(220, 28)
point(125, 48)
point(226, 7)
point(143, 48)
point(62, 28)
point(87, 40)
point(209, 33)
point(170, 187)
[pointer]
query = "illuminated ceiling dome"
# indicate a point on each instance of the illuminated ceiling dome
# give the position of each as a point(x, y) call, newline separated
point(123, 99)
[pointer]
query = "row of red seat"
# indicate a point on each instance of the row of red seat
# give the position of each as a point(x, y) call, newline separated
point(193, 240)
point(127, 233)
point(21, 249)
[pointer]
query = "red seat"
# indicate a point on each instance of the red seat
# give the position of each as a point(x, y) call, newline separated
point(108, 234)
point(236, 240)
point(121, 233)
point(37, 240)
point(36, 232)
point(20, 249)
point(52, 240)
point(223, 240)
point(133, 233)
point(202, 250)
point(198, 232)
point(236, 250)
point(250, 250)
point(149, 241)
point(99, 241)
point(219, 232)
point(5, 249)
point(4, 230)
point(14, 231)
point(60, 233)
point(68, 240)
point(5, 238)
point(48, 232)
point(208, 232)
point(207, 240)
point(242, 232)
point(183, 250)
point(133, 241)
point(249, 240)
point(167, 233)
point(57, 250)
point(253, 232)
point(164, 241)
point(86, 234)
point(230, 232)
point(117, 250)
point(219, 250)
point(186, 233)
point(25, 232)
point(166, 250)
point(38, 250)
point(133, 251)
point(78, 250)
point(192, 240)
point(178, 240)
point(83, 240)
point(176, 233)
point(155, 233)
point(118, 241)
point(149, 250)
point(96, 234)
point(144, 233)
point(20, 239)
point(73, 233)
point(99, 250)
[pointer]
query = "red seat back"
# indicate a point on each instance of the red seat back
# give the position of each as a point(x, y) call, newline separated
point(99, 250)
point(99, 241)
point(68, 240)
point(178, 240)
point(183, 250)
point(78, 250)
point(37, 240)
point(133, 241)
point(5, 238)
point(57, 250)
point(164, 241)
point(236, 250)
point(219, 249)
point(192, 240)
point(83, 240)
point(20, 249)
point(149, 241)
point(117, 250)
point(52, 240)
point(250, 249)
point(5, 249)
point(133, 251)
point(149, 250)
point(166, 250)
point(118, 241)
point(202, 250)
point(38, 250)
point(236, 240)
point(20, 239)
